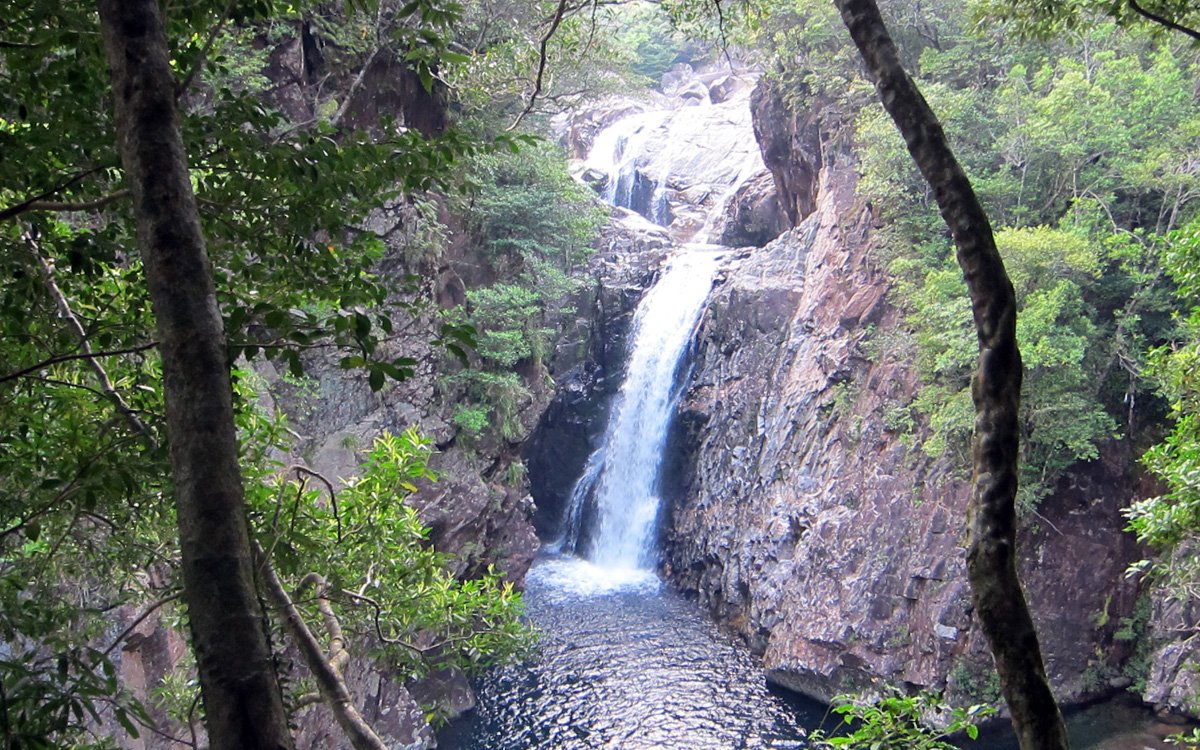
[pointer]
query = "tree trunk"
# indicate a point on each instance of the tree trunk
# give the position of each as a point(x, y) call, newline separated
point(242, 699)
point(996, 388)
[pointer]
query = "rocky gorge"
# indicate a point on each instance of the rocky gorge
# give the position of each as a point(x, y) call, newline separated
point(797, 513)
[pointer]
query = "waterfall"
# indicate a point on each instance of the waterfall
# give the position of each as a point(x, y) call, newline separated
point(622, 477)
point(680, 167)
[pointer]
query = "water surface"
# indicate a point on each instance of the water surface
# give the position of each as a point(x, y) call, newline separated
point(626, 663)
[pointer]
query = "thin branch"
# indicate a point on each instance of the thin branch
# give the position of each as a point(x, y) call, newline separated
point(1163, 21)
point(68, 384)
point(71, 357)
point(182, 87)
point(330, 682)
point(358, 81)
point(141, 618)
point(64, 311)
point(92, 205)
point(724, 36)
point(378, 608)
point(28, 203)
point(541, 71)
point(332, 494)
point(338, 655)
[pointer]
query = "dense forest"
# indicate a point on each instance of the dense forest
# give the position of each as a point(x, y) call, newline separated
point(289, 288)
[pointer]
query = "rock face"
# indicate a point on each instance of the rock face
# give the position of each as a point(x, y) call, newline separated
point(1173, 681)
point(808, 526)
point(791, 149)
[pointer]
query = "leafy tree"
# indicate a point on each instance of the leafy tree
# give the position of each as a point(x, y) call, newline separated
point(84, 528)
point(1171, 521)
point(534, 226)
point(1063, 419)
point(991, 565)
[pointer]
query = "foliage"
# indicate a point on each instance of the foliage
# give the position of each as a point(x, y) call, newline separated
point(534, 226)
point(369, 554)
point(654, 45)
point(900, 722)
point(587, 56)
point(1040, 19)
point(1171, 521)
point(1089, 165)
point(86, 524)
point(498, 396)
point(1062, 420)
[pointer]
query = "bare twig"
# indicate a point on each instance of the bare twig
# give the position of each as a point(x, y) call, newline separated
point(65, 312)
point(67, 206)
point(1162, 21)
point(29, 203)
point(355, 85)
point(332, 494)
point(141, 618)
point(182, 87)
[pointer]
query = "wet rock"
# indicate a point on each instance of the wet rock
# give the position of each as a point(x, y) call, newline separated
point(675, 78)
point(791, 148)
point(587, 367)
point(681, 158)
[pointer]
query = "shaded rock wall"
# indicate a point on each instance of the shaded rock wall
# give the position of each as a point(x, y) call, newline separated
point(810, 527)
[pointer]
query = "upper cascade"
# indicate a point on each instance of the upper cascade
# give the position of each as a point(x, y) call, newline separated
point(679, 159)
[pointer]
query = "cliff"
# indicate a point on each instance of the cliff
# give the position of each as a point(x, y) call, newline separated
point(809, 526)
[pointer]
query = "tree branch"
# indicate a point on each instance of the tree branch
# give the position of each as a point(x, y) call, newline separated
point(182, 87)
point(141, 618)
point(541, 71)
point(330, 681)
point(332, 494)
point(354, 86)
point(996, 590)
point(64, 311)
point(70, 357)
point(66, 206)
point(29, 203)
point(1162, 21)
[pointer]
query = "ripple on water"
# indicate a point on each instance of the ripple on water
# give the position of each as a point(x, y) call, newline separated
point(625, 663)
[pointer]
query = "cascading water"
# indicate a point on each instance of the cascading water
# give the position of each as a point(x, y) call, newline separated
point(622, 476)
point(625, 663)
point(678, 167)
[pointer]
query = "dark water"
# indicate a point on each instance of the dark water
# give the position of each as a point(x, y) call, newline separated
point(627, 664)
point(624, 663)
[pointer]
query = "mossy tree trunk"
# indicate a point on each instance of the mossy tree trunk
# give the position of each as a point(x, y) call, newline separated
point(242, 699)
point(996, 388)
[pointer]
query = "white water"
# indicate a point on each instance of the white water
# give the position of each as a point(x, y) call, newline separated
point(621, 477)
point(626, 487)
point(693, 158)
